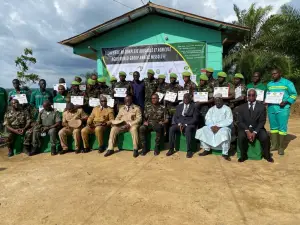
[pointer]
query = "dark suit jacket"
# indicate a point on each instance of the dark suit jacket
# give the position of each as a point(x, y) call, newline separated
point(257, 121)
point(191, 117)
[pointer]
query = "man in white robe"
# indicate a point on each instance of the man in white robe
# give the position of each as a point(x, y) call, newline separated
point(217, 132)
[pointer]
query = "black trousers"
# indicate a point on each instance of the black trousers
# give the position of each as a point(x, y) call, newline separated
point(263, 138)
point(144, 130)
point(188, 131)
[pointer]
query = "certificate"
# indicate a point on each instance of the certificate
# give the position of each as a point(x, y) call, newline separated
point(221, 90)
point(182, 93)
point(160, 95)
point(41, 108)
point(55, 86)
point(21, 98)
point(171, 96)
point(82, 87)
point(93, 102)
point(77, 100)
point(274, 97)
point(200, 96)
point(111, 102)
point(260, 94)
point(60, 107)
point(238, 92)
point(120, 92)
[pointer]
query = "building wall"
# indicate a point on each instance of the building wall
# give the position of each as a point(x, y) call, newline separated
point(152, 29)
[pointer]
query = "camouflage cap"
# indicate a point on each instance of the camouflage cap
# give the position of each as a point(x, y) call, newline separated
point(203, 77)
point(222, 74)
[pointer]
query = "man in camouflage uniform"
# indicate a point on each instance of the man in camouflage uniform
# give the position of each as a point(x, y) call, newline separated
point(17, 122)
point(113, 82)
point(162, 85)
point(204, 106)
point(223, 83)
point(150, 86)
point(103, 88)
point(212, 83)
point(91, 92)
point(75, 91)
point(156, 117)
point(188, 84)
point(173, 87)
point(123, 83)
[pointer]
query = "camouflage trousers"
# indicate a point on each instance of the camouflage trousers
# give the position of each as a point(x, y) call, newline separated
point(12, 137)
point(34, 137)
point(144, 130)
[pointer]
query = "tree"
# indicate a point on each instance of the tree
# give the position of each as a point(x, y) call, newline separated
point(88, 75)
point(23, 62)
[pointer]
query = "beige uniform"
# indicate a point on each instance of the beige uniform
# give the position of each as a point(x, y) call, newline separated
point(132, 115)
point(66, 131)
point(99, 115)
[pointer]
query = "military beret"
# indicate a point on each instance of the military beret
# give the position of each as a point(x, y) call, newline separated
point(122, 73)
point(203, 77)
point(113, 79)
point(75, 83)
point(162, 76)
point(173, 75)
point(91, 81)
point(222, 74)
point(101, 80)
point(151, 71)
point(239, 75)
point(211, 70)
point(186, 74)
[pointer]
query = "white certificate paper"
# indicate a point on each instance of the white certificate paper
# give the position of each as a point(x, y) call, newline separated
point(55, 86)
point(111, 102)
point(160, 95)
point(260, 94)
point(170, 96)
point(238, 92)
point(21, 98)
point(221, 90)
point(77, 100)
point(82, 87)
point(60, 107)
point(274, 97)
point(120, 92)
point(181, 94)
point(200, 96)
point(93, 102)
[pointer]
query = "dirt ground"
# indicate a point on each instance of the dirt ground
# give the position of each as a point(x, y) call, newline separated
point(90, 189)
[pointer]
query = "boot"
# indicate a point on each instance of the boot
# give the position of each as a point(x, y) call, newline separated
point(144, 151)
point(109, 152)
point(189, 154)
point(156, 150)
point(34, 150)
point(281, 145)
point(10, 152)
point(135, 153)
point(26, 150)
point(274, 142)
point(53, 150)
point(170, 152)
point(101, 149)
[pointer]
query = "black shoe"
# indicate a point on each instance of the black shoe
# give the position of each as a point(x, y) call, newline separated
point(34, 151)
point(135, 153)
point(156, 151)
point(77, 151)
point(144, 151)
point(226, 157)
point(189, 154)
point(270, 160)
point(101, 149)
point(26, 150)
point(62, 152)
point(109, 152)
point(170, 152)
point(241, 160)
point(10, 153)
point(86, 150)
point(53, 151)
point(205, 153)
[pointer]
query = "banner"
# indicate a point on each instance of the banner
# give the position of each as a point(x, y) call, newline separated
point(162, 58)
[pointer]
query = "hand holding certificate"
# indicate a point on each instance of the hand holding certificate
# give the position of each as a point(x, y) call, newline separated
point(111, 102)
point(181, 94)
point(77, 100)
point(120, 92)
point(93, 102)
point(170, 96)
point(274, 97)
point(21, 98)
point(221, 90)
point(238, 92)
point(200, 96)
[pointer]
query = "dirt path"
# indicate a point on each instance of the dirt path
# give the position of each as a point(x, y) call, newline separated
point(90, 189)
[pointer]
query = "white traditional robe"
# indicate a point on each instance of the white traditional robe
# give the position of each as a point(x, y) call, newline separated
point(221, 140)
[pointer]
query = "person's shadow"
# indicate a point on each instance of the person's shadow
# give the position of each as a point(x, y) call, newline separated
point(288, 139)
point(1, 169)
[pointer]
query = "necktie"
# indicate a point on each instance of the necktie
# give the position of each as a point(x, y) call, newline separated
point(251, 109)
point(185, 110)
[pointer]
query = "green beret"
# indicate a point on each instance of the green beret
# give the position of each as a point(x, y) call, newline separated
point(101, 80)
point(203, 77)
point(122, 73)
point(211, 70)
point(173, 75)
point(113, 79)
point(151, 71)
point(222, 74)
point(91, 82)
point(186, 74)
point(239, 75)
point(162, 76)
point(75, 83)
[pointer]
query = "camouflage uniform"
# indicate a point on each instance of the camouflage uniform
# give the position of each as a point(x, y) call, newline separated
point(231, 91)
point(203, 108)
point(106, 90)
point(90, 93)
point(191, 86)
point(171, 106)
point(212, 83)
point(153, 114)
point(150, 89)
point(162, 88)
point(72, 92)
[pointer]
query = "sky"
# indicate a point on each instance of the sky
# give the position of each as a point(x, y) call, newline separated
point(40, 24)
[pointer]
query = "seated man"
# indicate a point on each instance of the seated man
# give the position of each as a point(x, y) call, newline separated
point(156, 117)
point(17, 121)
point(128, 119)
point(216, 133)
point(47, 122)
point(71, 113)
point(251, 120)
point(97, 123)
point(185, 121)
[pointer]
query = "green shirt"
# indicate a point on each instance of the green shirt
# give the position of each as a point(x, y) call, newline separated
point(37, 98)
point(59, 98)
point(13, 93)
point(3, 102)
point(259, 86)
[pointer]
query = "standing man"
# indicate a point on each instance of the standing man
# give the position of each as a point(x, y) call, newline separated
point(61, 95)
point(123, 83)
point(128, 119)
point(17, 90)
point(113, 82)
point(138, 89)
point(162, 85)
point(251, 126)
point(156, 117)
point(185, 121)
point(188, 84)
point(223, 83)
point(39, 96)
point(173, 87)
point(97, 123)
point(256, 83)
point(60, 81)
point(212, 83)
point(150, 86)
point(103, 88)
point(75, 91)
point(238, 84)
point(91, 92)
point(217, 133)
point(70, 114)
point(3, 105)
point(279, 113)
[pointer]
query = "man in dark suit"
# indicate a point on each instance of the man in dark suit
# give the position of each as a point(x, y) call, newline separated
point(251, 122)
point(185, 121)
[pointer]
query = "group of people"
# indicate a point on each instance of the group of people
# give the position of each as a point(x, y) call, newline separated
point(216, 122)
